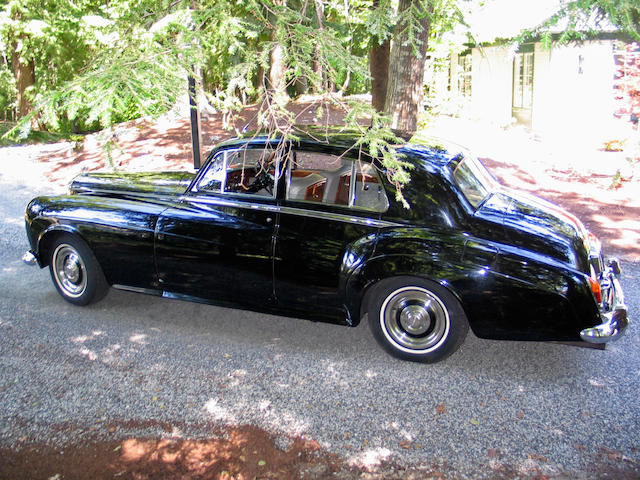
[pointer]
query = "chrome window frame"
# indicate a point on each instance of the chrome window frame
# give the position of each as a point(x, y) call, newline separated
point(225, 153)
point(352, 187)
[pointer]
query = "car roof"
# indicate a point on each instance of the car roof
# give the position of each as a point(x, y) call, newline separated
point(430, 149)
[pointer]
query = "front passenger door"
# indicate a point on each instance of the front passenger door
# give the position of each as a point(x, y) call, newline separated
point(217, 243)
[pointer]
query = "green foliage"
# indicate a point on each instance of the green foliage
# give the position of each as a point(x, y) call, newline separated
point(100, 62)
point(7, 91)
point(584, 18)
point(125, 85)
point(31, 136)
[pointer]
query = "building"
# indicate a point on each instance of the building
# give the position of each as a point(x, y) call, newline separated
point(548, 89)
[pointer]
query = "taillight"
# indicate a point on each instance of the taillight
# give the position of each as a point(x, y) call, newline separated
point(595, 288)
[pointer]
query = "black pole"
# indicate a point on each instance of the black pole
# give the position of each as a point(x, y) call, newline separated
point(195, 130)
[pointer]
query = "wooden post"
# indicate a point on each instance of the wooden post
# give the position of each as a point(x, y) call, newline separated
point(195, 121)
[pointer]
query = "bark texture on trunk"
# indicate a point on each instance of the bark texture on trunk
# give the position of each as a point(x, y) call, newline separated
point(25, 74)
point(277, 68)
point(406, 74)
point(379, 70)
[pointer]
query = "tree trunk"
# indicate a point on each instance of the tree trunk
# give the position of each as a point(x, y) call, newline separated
point(276, 69)
point(379, 69)
point(406, 74)
point(25, 73)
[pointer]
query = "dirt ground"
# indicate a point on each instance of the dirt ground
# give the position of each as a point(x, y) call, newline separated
point(246, 452)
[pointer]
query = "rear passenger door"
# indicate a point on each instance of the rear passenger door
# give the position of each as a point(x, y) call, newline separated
point(327, 221)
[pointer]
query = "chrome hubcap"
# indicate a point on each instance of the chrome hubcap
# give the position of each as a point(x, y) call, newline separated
point(69, 270)
point(414, 319)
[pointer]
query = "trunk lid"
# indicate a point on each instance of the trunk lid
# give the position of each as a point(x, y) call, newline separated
point(536, 224)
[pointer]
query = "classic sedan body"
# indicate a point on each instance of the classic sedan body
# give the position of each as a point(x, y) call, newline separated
point(312, 228)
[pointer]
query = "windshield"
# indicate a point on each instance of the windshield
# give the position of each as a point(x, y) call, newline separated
point(473, 180)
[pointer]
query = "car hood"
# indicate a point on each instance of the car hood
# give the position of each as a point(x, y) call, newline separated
point(149, 183)
point(540, 226)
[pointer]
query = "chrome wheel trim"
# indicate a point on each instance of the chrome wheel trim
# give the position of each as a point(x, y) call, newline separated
point(414, 320)
point(69, 270)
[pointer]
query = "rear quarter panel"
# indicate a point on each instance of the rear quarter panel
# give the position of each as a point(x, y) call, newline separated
point(504, 293)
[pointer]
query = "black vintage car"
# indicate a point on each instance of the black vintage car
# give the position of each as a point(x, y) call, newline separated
point(312, 228)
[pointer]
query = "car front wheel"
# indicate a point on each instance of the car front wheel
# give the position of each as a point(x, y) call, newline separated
point(416, 320)
point(76, 272)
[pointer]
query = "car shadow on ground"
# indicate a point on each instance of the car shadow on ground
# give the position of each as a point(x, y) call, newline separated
point(293, 336)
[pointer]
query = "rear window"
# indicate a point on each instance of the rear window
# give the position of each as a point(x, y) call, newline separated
point(474, 180)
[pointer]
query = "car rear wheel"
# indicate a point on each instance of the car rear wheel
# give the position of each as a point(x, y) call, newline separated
point(416, 320)
point(75, 271)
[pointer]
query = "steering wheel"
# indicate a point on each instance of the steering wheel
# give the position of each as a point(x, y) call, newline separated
point(263, 180)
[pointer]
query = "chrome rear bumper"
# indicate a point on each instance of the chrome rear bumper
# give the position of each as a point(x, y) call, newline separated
point(29, 258)
point(613, 309)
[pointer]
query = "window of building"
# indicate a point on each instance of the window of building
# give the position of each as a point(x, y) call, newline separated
point(464, 75)
point(523, 80)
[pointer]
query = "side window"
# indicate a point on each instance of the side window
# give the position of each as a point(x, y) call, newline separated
point(244, 171)
point(319, 177)
point(324, 178)
point(213, 178)
point(369, 191)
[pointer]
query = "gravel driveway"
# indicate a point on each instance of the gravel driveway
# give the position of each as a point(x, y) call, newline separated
point(136, 360)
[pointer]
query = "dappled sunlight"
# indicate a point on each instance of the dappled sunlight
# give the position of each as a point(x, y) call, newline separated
point(402, 432)
point(139, 338)
point(239, 453)
point(279, 419)
point(371, 458)
point(336, 374)
point(235, 377)
point(19, 221)
point(112, 354)
point(218, 412)
point(86, 338)
point(90, 354)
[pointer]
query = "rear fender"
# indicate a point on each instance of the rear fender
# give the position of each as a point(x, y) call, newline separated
point(359, 287)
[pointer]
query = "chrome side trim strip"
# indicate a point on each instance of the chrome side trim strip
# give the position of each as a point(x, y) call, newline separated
point(339, 217)
point(148, 291)
point(230, 202)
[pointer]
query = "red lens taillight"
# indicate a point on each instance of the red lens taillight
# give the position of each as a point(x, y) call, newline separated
point(595, 288)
